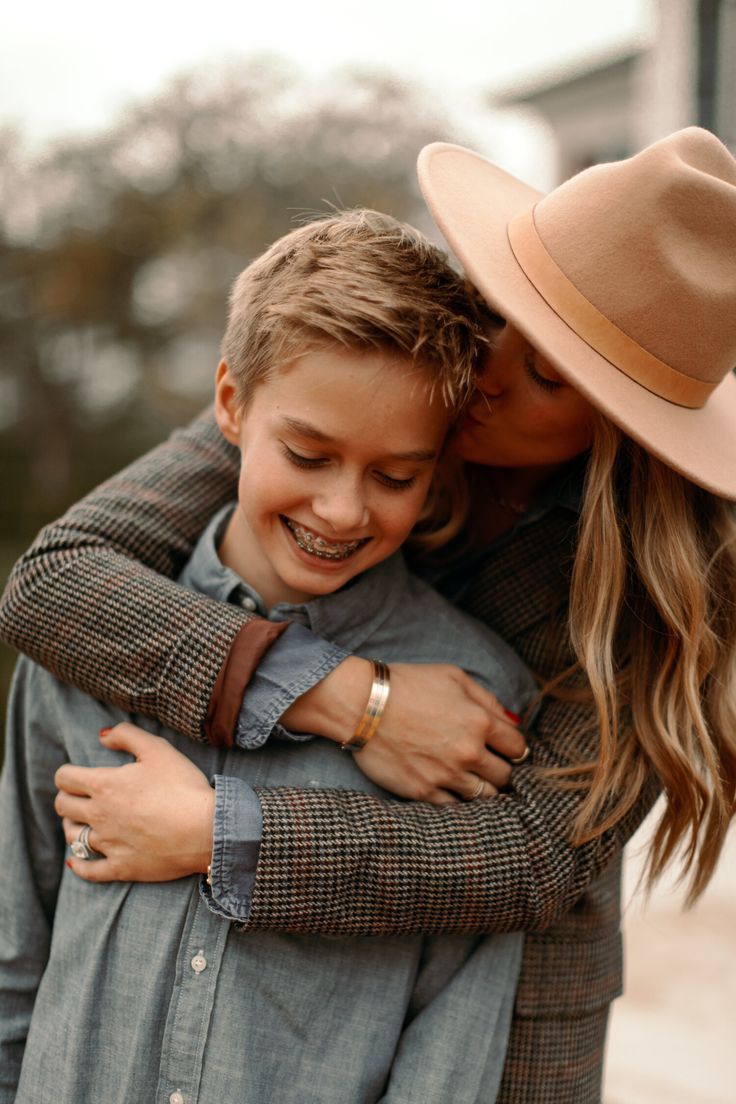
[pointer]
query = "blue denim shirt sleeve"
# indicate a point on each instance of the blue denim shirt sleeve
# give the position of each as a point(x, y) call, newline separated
point(237, 832)
point(294, 664)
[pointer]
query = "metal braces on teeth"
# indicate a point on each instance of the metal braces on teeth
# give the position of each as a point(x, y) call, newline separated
point(318, 546)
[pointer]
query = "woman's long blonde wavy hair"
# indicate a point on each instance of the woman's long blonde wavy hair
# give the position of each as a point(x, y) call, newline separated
point(652, 622)
point(653, 626)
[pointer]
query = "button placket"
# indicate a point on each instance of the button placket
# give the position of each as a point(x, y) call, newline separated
point(187, 1022)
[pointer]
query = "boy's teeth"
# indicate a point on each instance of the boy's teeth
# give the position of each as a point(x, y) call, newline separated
point(318, 546)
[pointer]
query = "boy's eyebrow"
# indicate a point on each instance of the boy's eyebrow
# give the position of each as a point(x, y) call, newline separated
point(305, 429)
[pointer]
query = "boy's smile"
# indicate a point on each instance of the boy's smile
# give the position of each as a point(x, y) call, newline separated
point(337, 455)
point(319, 546)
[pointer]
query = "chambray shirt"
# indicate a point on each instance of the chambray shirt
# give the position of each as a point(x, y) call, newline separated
point(144, 994)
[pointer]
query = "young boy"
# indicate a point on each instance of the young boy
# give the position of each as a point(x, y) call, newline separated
point(349, 347)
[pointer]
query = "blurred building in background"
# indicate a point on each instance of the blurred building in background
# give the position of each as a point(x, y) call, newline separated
point(607, 107)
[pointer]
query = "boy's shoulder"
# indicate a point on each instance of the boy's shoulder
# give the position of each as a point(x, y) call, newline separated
point(424, 627)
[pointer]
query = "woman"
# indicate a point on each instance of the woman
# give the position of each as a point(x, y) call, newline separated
point(619, 296)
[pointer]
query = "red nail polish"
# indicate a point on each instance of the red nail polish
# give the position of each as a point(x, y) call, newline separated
point(69, 863)
point(513, 716)
point(104, 731)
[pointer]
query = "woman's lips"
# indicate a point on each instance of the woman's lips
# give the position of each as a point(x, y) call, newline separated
point(472, 418)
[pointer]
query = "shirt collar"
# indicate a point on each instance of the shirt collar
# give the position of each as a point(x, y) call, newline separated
point(205, 571)
point(350, 615)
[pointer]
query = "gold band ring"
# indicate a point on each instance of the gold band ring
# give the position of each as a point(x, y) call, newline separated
point(478, 791)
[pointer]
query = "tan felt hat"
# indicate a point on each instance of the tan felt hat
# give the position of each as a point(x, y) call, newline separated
point(624, 278)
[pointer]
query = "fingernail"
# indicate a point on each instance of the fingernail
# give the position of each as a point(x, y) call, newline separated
point(104, 731)
point(69, 863)
point(513, 716)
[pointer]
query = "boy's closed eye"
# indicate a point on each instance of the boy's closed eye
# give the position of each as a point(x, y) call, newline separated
point(394, 482)
point(301, 461)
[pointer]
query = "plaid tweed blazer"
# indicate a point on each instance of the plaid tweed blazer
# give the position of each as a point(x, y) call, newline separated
point(89, 601)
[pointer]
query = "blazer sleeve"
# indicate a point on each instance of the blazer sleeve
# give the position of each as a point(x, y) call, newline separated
point(342, 863)
point(93, 599)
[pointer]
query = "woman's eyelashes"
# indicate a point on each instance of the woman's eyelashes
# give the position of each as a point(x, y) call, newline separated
point(386, 480)
point(546, 384)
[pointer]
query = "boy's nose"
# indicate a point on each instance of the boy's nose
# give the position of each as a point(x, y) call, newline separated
point(343, 509)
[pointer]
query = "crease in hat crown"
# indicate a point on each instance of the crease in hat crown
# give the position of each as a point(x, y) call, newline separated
point(625, 279)
point(652, 207)
point(593, 326)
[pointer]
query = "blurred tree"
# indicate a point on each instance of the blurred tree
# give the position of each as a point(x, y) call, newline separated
point(116, 255)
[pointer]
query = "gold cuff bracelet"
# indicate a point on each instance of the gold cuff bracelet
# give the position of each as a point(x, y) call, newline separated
point(369, 722)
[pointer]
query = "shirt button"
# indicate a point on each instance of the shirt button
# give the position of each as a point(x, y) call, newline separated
point(248, 603)
point(176, 1098)
point(199, 963)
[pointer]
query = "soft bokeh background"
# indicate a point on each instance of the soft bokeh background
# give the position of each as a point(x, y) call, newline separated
point(147, 154)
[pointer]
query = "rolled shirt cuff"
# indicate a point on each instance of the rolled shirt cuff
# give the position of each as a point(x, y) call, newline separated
point(237, 832)
point(293, 664)
point(248, 649)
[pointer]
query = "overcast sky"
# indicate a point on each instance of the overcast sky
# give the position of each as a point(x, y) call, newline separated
point(69, 67)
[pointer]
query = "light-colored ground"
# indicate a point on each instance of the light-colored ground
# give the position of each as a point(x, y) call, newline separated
point(672, 1038)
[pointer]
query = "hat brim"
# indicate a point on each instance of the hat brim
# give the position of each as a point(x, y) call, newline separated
point(472, 202)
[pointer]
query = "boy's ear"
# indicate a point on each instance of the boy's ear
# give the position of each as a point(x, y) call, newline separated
point(228, 412)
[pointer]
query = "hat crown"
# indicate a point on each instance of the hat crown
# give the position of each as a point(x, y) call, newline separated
point(651, 243)
point(624, 278)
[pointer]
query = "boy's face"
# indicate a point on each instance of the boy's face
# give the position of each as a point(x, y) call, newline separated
point(337, 454)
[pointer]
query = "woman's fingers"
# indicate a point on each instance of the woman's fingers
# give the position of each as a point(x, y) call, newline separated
point(477, 789)
point(96, 870)
point(85, 781)
point(492, 768)
point(503, 732)
point(72, 830)
point(74, 780)
point(442, 797)
point(72, 806)
point(128, 737)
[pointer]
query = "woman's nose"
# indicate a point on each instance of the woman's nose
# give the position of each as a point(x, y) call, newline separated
point(487, 392)
point(490, 383)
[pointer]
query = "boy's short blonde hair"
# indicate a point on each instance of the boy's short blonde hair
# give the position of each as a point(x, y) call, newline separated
point(361, 280)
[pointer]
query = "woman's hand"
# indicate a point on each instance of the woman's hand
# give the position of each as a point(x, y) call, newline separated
point(434, 739)
point(151, 819)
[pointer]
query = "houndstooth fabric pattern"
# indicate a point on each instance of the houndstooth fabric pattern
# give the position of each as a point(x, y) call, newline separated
point(555, 1059)
point(335, 862)
point(89, 601)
